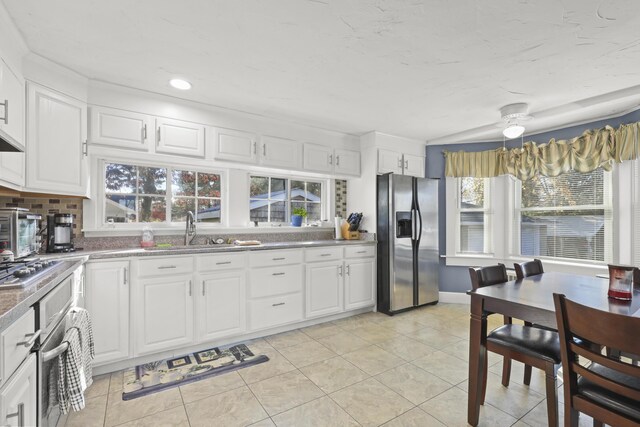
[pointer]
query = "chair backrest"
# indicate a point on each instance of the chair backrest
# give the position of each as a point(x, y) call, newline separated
point(487, 276)
point(529, 268)
point(583, 332)
point(636, 278)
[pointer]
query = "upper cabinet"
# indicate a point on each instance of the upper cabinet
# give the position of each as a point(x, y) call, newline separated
point(247, 147)
point(119, 128)
point(319, 158)
point(179, 137)
point(56, 142)
point(399, 163)
point(280, 152)
point(12, 168)
point(11, 106)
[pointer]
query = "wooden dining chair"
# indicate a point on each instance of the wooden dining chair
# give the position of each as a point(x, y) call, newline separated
point(532, 346)
point(607, 389)
point(529, 268)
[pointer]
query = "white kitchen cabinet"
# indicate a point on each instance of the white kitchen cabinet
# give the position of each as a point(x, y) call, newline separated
point(400, 163)
point(119, 128)
point(12, 108)
point(163, 312)
point(107, 300)
point(221, 305)
point(280, 152)
point(235, 145)
point(19, 398)
point(274, 311)
point(179, 137)
point(56, 142)
point(12, 168)
point(359, 283)
point(319, 158)
point(324, 294)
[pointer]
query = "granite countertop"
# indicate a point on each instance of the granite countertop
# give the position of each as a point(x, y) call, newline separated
point(15, 302)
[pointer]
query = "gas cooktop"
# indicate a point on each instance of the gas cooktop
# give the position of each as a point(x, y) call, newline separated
point(24, 272)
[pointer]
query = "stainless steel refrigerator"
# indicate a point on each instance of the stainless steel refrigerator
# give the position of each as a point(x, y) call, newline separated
point(407, 232)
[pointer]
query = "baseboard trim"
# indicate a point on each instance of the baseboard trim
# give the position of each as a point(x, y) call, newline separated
point(454, 298)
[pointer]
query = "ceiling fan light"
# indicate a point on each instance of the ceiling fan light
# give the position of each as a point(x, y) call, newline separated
point(513, 131)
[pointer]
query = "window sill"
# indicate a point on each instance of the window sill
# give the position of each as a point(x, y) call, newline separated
point(201, 229)
point(589, 268)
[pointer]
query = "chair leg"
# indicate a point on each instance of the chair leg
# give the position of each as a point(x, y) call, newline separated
point(552, 394)
point(506, 371)
point(571, 417)
point(527, 374)
point(484, 382)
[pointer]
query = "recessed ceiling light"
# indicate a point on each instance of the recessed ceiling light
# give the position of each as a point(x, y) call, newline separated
point(180, 84)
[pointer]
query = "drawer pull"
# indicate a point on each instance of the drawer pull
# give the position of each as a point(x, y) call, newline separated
point(361, 252)
point(278, 274)
point(32, 339)
point(278, 259)
point(325, 254)
point(19, 414)
point(223, 262)
point(277, 304)
point(162, 267)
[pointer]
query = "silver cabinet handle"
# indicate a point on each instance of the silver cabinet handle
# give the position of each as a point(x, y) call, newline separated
point(330, 159)
point(277, 304)
point(361, 252)
point(126, 272)
point(337, 160)
point(190, 287)
point(203, 288)
point(19, 414)
point(85, 148)
point(159, 133)
point(255, 146)
point(144, 132)
point(223, 262)
point(264, 150)
point(277, 259)
point(340, 270)
point(32, 339)
point(406, 164)
point(325, 254)
point(162, 267)
point(348, 270)
point(5, 119)
point(278, 274)
point(400, 162)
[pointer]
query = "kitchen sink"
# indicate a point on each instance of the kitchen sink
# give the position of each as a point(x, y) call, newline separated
point(182, 248)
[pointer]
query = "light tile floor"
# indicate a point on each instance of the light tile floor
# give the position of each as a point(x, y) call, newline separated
point(367, 370)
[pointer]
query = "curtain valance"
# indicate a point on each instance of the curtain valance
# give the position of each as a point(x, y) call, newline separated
point(587, 152)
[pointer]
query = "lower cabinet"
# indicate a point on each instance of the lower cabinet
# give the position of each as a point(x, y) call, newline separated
point(107, 300)
point(220, 305)
point(18, 397)
point(163, 313)
point(275, 310)
point(359, 283)
point(324, 288)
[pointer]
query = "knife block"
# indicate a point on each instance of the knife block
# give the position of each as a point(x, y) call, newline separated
point(349, 235)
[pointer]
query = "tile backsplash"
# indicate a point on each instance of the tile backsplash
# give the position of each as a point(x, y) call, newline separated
point(341, 198)
point(45, 206)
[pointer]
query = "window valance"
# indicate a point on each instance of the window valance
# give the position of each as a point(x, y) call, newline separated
point(589, 151)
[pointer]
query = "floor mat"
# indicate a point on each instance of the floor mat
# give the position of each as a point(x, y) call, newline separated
point(156, 376)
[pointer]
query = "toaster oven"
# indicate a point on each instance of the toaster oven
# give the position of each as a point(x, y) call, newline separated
point(19, 231)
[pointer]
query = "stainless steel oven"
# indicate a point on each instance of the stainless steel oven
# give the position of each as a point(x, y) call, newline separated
point(19, 231)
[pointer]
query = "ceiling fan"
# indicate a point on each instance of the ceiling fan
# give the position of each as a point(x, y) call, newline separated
point(512, 116)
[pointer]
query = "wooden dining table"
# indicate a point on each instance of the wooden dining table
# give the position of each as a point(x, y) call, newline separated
point(531, 299)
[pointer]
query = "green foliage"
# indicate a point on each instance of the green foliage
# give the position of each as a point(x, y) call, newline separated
point(299, 211)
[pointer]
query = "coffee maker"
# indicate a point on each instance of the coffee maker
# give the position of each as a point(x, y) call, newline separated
point(60, 232)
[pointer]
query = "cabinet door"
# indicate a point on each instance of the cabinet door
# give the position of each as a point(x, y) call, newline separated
point(318, 158)
point(12, 168)
point(107, 300)
point(163, 310)
point(56, 132)
point(281, 152)
point(12, 113)
point(179, 137)
point(389, 161)
point(324, 288)
point(414, 165)
point(235, 145)
point(221, 305)
point(359, 284)
point(347, 162)
point(18, 398)
point(119, 128)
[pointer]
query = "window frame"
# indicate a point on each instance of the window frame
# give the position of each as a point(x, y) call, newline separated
point(169, 224)
point(324, 184)
point(487, 223)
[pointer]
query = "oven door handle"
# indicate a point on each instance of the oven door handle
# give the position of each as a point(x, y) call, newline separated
point(49, 355)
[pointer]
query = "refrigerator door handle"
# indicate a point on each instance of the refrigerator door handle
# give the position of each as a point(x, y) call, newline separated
point(419, 227)
point(413, 224)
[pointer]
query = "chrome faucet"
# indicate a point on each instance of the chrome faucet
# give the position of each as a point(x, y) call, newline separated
point(190, 231)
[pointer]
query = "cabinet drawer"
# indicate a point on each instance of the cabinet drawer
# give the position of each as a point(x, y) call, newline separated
point(268, 281)
point(322, 254)
point(162, 266)
point(359, 251)
point(270, 258)
point(13, 352)
point(273, 311)
point(215, 262)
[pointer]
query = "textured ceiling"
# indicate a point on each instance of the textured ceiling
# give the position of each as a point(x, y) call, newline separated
point(422, 69)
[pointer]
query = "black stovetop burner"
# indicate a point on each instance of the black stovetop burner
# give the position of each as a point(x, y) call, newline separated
point(21, 272)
